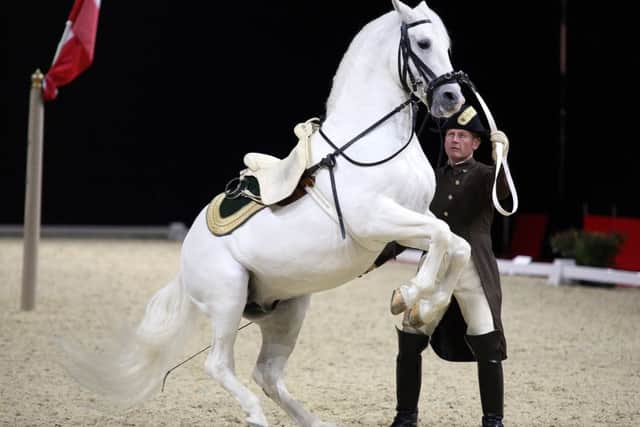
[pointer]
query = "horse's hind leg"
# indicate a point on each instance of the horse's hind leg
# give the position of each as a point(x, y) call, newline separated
point(220, 365)
point(218, 285)
point(279, 335)
point(224, 307)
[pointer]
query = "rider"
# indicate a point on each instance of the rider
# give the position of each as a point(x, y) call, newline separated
point(471, 328)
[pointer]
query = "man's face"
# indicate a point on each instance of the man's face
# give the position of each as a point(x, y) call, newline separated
point(459, 144)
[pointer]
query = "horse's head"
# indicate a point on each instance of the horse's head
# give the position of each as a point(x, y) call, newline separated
point(424, 66)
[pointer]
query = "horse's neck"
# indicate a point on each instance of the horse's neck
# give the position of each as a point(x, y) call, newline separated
point(366, 101)
point(364, 91)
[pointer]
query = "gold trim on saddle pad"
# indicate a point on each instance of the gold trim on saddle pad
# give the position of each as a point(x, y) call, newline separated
point(221, 225)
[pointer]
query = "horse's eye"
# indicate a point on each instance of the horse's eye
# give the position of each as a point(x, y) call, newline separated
point(424, 44)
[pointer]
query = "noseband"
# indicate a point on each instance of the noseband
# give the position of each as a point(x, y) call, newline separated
point(405, 53)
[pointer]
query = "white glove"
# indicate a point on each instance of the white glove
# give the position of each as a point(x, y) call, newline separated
point(497, 136)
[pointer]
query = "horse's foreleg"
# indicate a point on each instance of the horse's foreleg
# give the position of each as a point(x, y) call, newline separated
point(415, 230)
point(430, 270)
point(279, 335)
point(428, 310)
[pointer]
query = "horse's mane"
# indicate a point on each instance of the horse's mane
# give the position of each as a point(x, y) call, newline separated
point(375, 32)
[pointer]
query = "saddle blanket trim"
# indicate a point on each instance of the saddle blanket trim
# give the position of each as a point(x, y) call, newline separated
point(220, 225)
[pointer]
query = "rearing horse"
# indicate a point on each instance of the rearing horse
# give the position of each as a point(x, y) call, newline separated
point(285, 253)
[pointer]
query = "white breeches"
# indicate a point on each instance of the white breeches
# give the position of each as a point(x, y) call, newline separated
point(473, 306)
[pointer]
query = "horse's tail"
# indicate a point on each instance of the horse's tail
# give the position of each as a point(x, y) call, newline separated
point(132, 368)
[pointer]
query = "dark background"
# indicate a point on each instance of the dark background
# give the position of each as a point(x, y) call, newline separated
point(140, 137)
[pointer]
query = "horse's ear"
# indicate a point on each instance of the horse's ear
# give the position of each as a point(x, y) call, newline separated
point(422, 5)
point(406, 13)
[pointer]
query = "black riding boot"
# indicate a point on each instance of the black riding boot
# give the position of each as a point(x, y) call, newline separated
point(408, 377)
point(490, 378)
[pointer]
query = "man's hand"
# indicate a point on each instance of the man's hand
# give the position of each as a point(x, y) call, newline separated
point(497, 136)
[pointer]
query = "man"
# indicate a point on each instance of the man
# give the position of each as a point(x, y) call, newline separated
point(471, 328)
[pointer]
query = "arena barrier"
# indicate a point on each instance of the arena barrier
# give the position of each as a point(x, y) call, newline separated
point(560, 271)
point(173, 231)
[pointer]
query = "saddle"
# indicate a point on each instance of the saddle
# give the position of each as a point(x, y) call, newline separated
point(266, 181)
point(278, 178)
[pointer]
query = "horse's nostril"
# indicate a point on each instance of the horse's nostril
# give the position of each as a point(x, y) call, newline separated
point(450, 96)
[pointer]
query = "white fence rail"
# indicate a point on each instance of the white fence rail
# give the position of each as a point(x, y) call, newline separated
point(558, 272)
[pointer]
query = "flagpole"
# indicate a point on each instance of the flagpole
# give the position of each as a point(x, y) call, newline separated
point(33, 193)
point(563, 100)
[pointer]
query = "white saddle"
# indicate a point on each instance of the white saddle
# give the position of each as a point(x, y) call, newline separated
point(278, 178)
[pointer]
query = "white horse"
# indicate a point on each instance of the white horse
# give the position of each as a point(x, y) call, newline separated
point(285, 253)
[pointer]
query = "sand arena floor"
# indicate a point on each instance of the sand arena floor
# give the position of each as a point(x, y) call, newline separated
point(574, 351)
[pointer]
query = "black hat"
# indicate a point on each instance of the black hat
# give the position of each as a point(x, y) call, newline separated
point(468, 119)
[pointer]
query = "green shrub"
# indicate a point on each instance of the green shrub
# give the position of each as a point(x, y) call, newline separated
point(592, 248)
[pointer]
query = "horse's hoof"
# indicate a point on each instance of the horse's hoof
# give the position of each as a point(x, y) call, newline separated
point(397, 302)
point(414, 318)
point(427, 311)
point(257, 421)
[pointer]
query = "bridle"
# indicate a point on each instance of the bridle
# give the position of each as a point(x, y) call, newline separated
point(425, 85)
point(405, 53)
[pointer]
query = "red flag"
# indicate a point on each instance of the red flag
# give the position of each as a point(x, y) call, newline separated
point(75, 50)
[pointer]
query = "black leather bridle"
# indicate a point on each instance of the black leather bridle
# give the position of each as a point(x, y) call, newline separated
point(417, 85)
point(405, 53)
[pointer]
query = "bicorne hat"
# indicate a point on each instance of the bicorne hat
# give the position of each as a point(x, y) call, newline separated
point(468, 119)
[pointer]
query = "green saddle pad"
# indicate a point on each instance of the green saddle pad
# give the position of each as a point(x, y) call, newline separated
point(225, 214)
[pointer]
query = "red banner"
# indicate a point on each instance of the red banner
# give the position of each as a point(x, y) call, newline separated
point(75, 50)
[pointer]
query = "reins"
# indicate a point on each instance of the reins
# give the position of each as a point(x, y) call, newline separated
point(340, 151)
point(329, 161)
